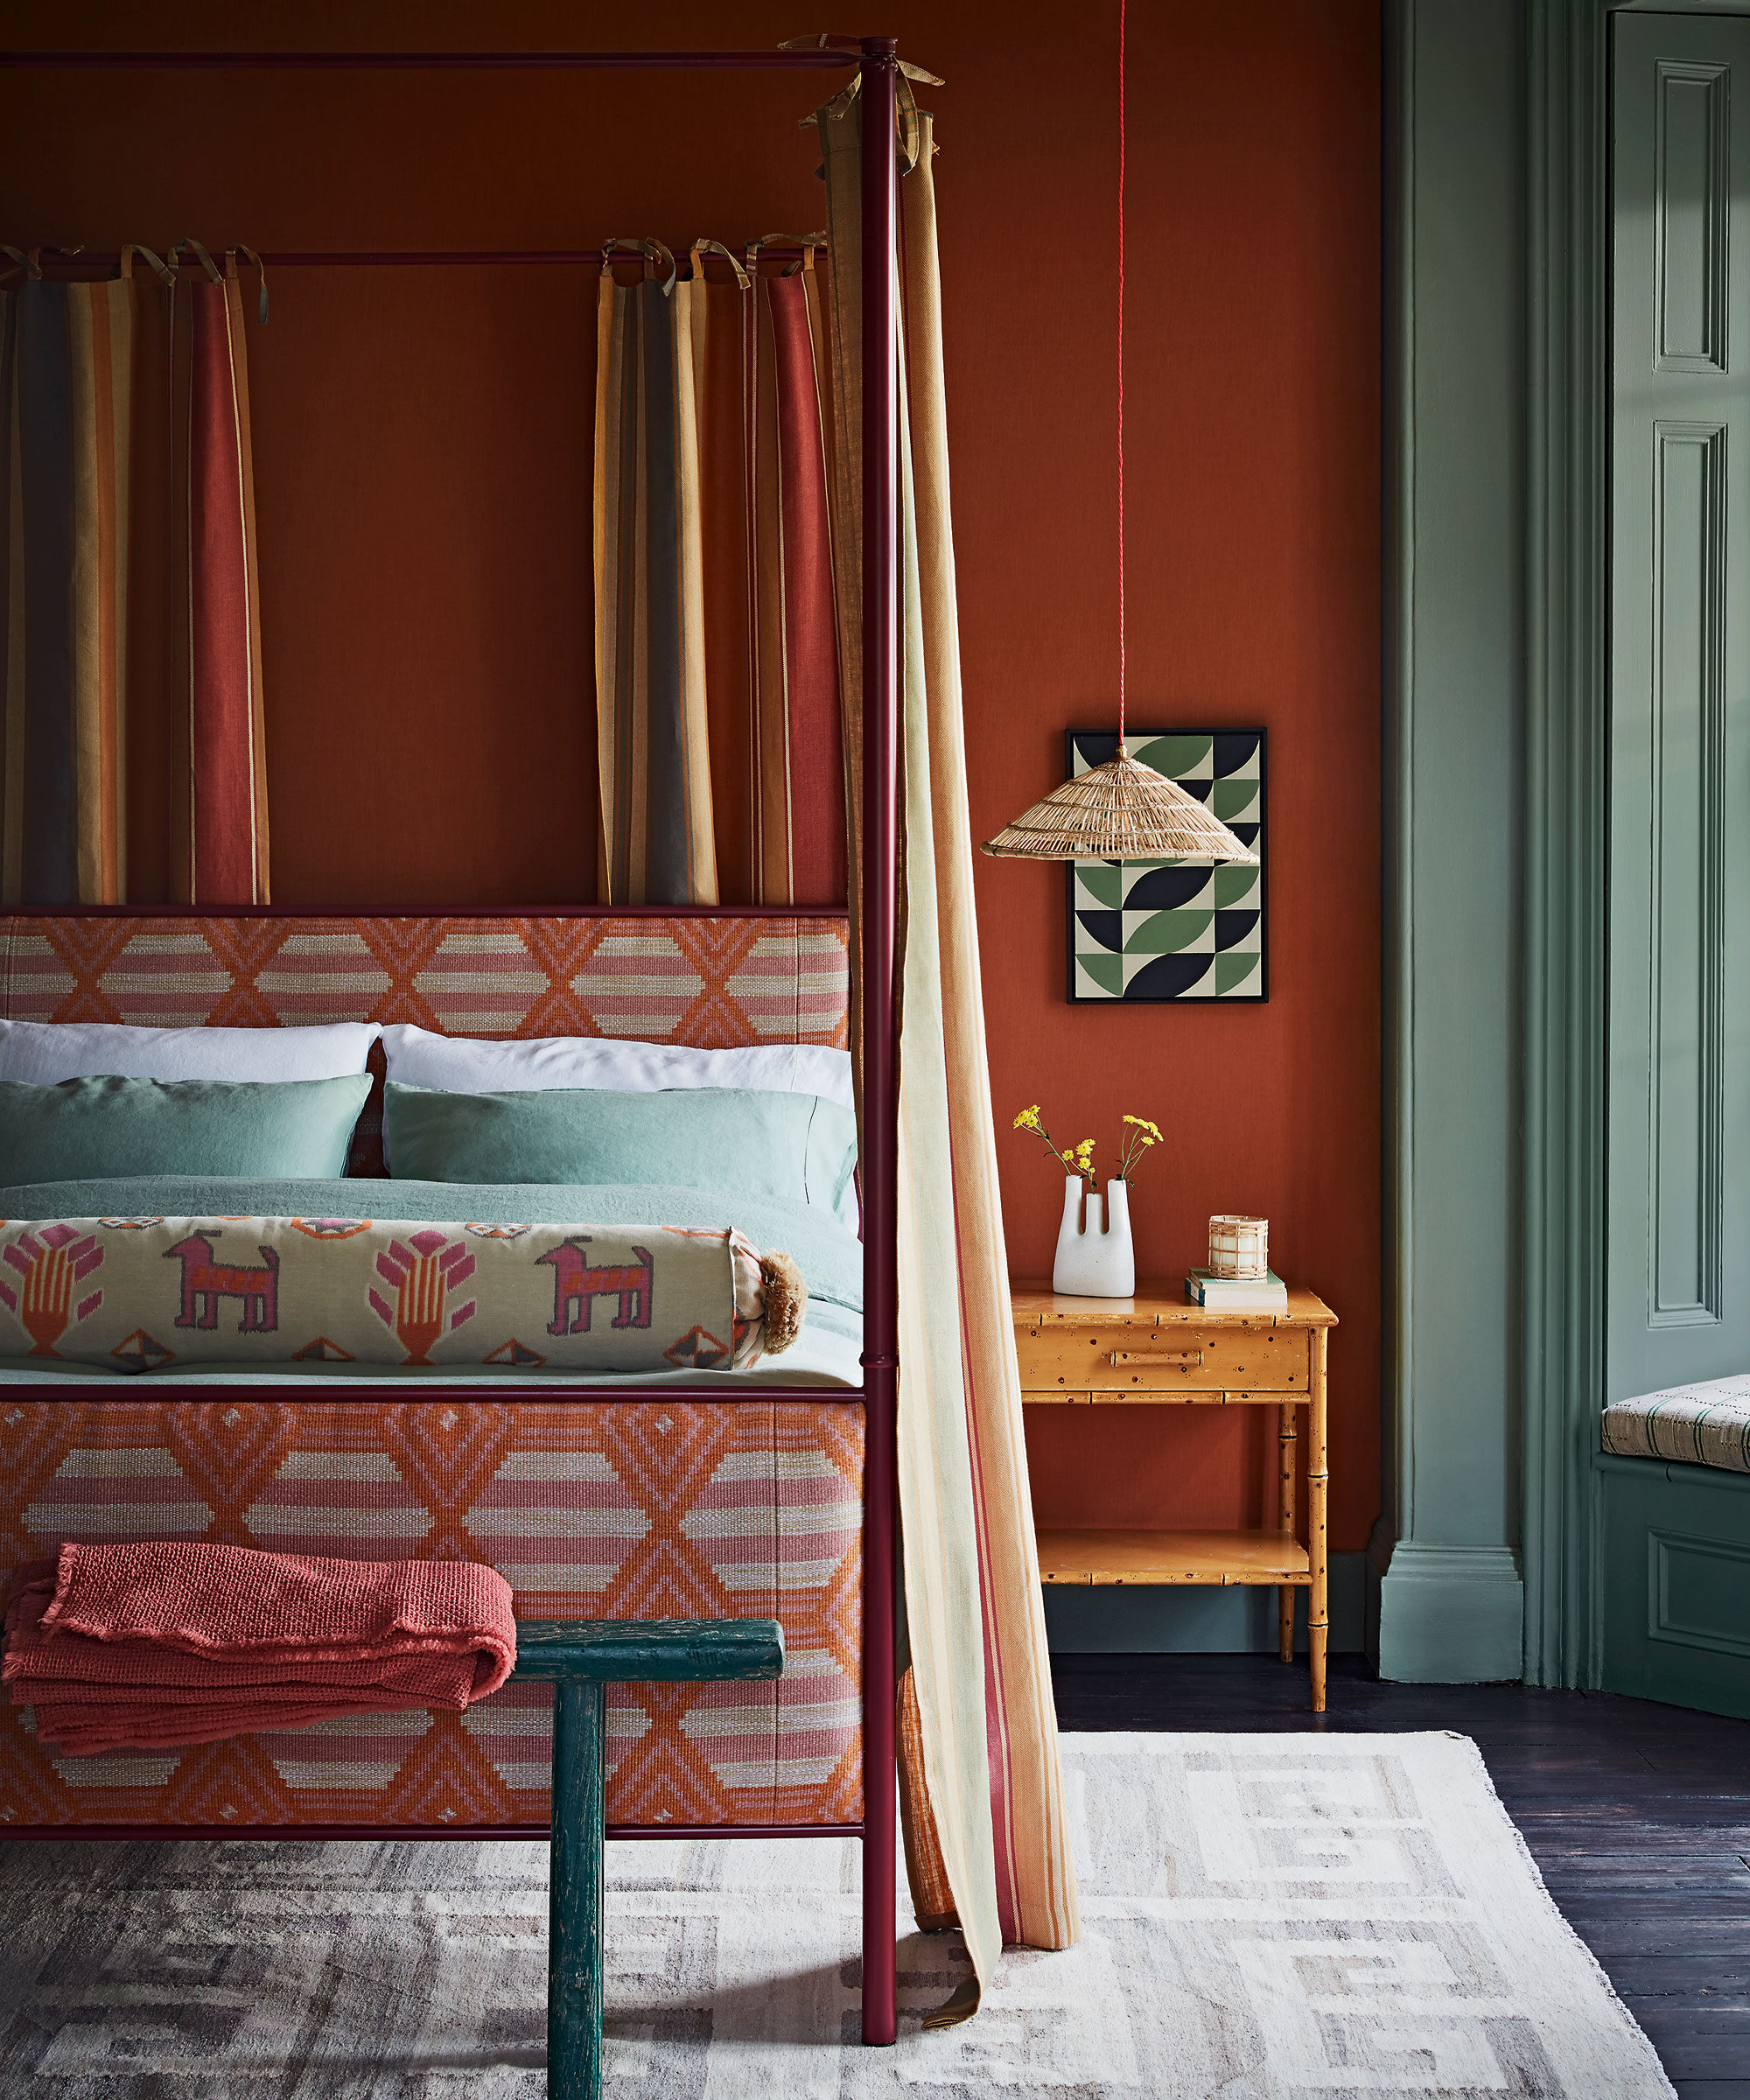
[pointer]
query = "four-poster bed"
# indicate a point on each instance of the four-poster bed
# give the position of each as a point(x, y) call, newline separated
point(39, 981)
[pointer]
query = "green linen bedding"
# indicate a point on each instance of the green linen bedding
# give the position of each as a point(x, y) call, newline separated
point(829, 1257)
point(110, 1125)
point(733, 1139)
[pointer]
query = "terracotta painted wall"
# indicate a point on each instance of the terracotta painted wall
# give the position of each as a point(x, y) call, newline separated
point(423, 467)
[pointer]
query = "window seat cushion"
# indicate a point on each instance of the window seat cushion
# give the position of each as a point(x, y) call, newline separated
point(1706, 1424)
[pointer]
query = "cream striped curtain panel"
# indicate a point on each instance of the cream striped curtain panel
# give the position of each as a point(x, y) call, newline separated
point(67, 371)
point(981, 1673)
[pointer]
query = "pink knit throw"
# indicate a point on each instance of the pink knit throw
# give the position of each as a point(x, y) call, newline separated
point(151, 1645)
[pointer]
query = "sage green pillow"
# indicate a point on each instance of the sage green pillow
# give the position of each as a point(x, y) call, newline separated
point(739, 1140)
point(100, 1128)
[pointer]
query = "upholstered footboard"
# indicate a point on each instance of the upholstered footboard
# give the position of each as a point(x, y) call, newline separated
point(746, 1507)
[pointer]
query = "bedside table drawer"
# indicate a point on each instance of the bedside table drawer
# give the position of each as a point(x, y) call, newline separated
point(1103, 1357)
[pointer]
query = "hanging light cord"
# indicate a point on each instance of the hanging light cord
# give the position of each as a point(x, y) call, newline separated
point(1121, 378)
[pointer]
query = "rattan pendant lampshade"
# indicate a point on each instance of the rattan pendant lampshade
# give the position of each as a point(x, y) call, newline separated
point(1122, 809)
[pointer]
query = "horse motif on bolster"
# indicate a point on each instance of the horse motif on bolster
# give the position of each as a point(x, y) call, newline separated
point(204, 1281)
point(576, 1284)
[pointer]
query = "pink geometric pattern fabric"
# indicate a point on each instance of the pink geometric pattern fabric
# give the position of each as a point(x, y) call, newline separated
point(605, 1509)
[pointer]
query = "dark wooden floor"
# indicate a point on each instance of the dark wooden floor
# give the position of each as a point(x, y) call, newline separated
point(1637, 1815)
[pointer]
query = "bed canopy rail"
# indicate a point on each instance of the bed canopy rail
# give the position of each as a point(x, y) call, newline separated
point(876, 60)
point(813, 58)
point(70, 262)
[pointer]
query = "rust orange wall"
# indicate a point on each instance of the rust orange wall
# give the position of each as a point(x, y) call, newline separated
point(423, 458)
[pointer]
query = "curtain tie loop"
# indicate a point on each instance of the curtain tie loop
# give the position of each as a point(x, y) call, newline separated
point(702, 248)
point(652, 251)
point(212, 269)
point(160, 269)
point(249, 256)
point(807, 242)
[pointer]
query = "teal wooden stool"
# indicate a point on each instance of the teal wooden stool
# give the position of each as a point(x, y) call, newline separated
point(579, 1657)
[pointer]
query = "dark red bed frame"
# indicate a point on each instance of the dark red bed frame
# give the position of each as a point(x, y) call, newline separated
point(876, 60)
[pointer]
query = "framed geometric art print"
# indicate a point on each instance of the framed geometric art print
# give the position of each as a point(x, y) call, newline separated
point(1143, 932)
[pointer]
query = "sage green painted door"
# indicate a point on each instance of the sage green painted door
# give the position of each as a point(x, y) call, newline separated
point(1678, 1259)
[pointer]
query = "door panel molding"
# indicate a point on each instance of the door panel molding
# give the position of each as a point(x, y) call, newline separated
point(1686, 864)
point(1692, 153)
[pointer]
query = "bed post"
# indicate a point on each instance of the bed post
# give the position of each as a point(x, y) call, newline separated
point(880, 1018)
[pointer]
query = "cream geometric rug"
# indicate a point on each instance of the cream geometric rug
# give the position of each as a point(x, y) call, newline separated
point(1266, 1917)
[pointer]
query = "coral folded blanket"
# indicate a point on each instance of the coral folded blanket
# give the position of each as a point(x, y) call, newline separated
point(156, 1644)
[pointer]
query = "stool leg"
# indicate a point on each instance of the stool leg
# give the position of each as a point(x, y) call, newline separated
point(576, 1929)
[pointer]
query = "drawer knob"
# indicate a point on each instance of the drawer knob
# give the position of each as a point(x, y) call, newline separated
point(1187, 1360)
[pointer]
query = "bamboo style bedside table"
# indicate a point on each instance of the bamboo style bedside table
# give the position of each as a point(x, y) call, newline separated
point(1154, 1350)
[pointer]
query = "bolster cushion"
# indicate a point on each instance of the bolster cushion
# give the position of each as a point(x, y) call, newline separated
point(144, 1293)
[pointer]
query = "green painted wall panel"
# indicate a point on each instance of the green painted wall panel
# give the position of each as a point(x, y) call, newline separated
point(1454, 736)
point(1674, 1553)
point(1678, 1259)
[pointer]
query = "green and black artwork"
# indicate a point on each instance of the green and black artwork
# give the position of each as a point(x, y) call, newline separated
point(1144, 931)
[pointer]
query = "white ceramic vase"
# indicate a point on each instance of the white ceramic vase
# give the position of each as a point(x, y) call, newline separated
point(1094, 1259)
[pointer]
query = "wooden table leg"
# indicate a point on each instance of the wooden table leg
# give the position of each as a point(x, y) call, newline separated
point(1286, 1434)
point(1318, 1481)
point(577, 1926)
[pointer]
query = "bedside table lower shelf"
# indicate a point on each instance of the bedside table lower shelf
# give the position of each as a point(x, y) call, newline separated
point(1092, 1558)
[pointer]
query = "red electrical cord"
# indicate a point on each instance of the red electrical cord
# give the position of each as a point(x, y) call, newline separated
point(1121, 378)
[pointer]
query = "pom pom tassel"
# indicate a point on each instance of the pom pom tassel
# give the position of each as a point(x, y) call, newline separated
point(787, 1300)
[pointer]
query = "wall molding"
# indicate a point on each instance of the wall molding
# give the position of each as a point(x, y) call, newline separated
point(1397, 772)
point(1453, 731)
point(1456, 1615)
point(1567, 782)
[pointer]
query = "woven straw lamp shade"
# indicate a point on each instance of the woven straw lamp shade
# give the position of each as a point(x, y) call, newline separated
point(1121, 810)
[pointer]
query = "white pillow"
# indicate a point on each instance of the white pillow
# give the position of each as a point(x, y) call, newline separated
point(459, 1064)
point(46, 1052)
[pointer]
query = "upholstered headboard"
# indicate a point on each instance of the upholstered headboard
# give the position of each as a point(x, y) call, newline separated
point(709, 979)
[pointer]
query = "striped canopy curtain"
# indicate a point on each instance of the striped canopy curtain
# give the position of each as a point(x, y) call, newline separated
point(986, 1809)
point(66, 410)
point(719, 736)
point(658, 842)
point(797, 831)
point(219, 755)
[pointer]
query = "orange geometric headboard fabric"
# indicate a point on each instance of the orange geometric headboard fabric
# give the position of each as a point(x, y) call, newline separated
point(711, 982)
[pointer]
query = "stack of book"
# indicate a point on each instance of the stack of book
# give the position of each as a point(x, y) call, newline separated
point(1266, 1293)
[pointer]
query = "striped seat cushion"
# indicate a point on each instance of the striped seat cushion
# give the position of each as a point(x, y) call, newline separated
point(1696, 1424)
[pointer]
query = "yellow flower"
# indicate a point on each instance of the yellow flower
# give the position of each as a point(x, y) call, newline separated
point(1028, 1118)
